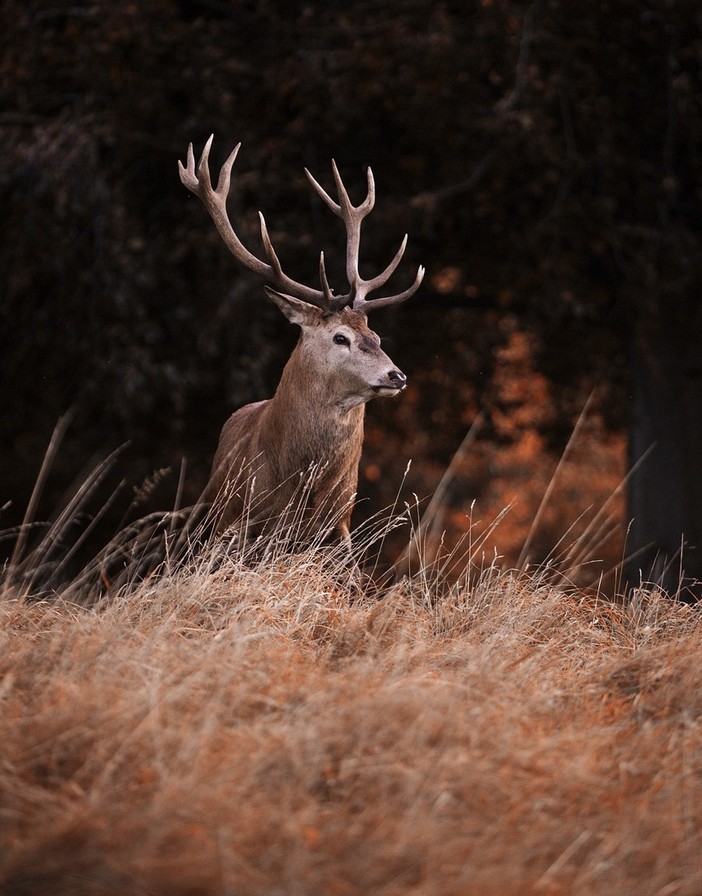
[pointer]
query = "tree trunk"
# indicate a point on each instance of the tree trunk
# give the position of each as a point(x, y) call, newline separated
point(665, 448)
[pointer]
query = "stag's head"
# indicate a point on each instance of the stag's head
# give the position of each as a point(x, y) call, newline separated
point(336, 341)
point(339, 349)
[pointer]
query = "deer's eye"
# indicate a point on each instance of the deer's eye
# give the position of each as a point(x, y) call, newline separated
point(340, 339)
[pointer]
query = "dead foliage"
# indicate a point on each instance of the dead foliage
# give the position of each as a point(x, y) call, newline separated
point(268, 728)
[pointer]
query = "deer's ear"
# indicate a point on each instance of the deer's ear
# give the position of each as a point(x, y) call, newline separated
point(297, 312)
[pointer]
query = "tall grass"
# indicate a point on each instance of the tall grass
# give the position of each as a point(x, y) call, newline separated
point(226, 720)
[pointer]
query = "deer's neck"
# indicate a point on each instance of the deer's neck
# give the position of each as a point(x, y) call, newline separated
point(310, 419)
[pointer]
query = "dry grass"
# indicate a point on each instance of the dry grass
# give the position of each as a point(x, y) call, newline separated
point(232, 728)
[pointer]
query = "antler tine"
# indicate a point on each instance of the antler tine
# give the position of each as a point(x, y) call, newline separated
point(187, 172)
point(198, 181)
point(365, 305)
point(332, 300)
point(203, 167)
point(382, 278)
point(322, 193)
point(225, 172)
point(268, 246)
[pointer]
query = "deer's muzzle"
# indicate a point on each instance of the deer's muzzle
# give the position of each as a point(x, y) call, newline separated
point(395, 383)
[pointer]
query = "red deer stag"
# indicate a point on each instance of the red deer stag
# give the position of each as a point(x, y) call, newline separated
point(314, 422)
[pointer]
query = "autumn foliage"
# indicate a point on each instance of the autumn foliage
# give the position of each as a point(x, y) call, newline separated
point(543, 157)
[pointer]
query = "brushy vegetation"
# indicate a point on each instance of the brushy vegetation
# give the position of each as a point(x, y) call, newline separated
point(272, 725)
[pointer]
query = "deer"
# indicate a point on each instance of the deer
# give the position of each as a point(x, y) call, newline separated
point(312, 427)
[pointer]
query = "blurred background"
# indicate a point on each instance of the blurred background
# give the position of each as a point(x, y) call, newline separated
point(543, 156)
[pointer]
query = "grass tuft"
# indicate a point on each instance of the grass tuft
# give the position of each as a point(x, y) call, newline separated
point(262, 718)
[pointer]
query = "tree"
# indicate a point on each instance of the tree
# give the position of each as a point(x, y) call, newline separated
point(632, 125)
point(545, 154)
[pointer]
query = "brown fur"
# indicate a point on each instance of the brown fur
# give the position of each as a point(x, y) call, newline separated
point(313, 426)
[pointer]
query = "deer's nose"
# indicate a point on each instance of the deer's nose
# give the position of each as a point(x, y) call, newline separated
point(398, 379)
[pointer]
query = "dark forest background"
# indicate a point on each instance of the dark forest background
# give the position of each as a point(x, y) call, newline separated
point(544, 157)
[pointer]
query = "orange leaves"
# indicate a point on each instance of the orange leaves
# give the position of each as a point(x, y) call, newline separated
point(311, 836)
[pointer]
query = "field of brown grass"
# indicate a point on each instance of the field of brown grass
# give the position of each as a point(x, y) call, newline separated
point(270, 728)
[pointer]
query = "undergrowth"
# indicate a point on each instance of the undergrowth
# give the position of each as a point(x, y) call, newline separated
point(232, 720)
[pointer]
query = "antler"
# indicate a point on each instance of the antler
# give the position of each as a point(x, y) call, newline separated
point(353, 216)
point(215, 201)
point(198, 181)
